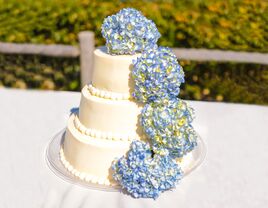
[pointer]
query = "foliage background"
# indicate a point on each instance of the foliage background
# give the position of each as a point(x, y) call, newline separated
point(218, 24)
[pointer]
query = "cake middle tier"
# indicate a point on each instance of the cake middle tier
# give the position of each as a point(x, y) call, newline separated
point(110, 116)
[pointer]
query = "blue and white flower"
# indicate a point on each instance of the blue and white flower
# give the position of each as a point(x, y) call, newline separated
point(168, 126)
point(157, 75)
point(129, 32)
point(144, 174)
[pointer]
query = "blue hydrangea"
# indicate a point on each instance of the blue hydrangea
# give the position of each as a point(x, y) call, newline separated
point(168, 126)
point(157, 75)
point(144, 174)
point(129, 32)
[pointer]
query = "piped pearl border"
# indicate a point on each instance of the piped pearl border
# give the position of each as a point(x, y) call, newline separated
point(107, 94)
point(103, 135)
point(84, 176)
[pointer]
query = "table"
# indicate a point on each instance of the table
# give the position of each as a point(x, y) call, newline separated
point(234, 173)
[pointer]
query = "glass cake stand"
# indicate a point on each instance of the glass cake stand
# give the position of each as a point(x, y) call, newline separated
point(188, 164)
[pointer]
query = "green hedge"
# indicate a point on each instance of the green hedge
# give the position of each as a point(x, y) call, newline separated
point(27, 71)
point(229, 82)
point(246, 83)
point(235, 25)
point(228, 25)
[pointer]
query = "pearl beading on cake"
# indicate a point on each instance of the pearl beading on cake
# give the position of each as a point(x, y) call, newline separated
point(107, 94)
point(84, 176)
point(104, 135)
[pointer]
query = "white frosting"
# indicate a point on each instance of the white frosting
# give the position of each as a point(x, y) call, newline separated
point(89, 155)
point(114, 116)
point(103, 135)
point(107, 121)
point(108, 95)
point(85, 176)
point(112, 73)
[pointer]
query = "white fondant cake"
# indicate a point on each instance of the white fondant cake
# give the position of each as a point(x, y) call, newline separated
point(107, 121)
point(102, 141)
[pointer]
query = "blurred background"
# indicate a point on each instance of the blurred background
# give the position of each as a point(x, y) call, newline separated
point(237, 25)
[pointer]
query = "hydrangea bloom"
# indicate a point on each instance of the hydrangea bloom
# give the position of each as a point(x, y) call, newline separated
point(157, 75)
point(129, 32)
point(144, 174)
point(168, 125)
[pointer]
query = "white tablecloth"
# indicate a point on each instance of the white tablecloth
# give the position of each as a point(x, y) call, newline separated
point(234, 174)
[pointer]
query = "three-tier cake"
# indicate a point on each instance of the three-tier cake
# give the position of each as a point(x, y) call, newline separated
point(131, 129)
point(107, 121)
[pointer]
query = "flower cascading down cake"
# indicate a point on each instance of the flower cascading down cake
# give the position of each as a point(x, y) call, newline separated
point(132, 130)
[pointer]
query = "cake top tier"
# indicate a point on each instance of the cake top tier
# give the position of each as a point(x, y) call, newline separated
point(129, 32)
point(113, 73)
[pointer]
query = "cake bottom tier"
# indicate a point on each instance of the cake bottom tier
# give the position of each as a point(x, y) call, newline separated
point(90, 158)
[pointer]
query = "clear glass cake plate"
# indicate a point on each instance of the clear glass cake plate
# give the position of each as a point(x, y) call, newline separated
point(189, 162)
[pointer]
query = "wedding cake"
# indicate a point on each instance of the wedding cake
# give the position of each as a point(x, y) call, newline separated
point(131, 129)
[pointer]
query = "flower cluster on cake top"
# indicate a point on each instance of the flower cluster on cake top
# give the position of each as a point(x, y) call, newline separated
point(150, 168)
point(129, 32)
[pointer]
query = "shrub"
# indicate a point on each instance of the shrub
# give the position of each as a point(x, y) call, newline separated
point(26, 71)
point(234, 25)
point(229, 82)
